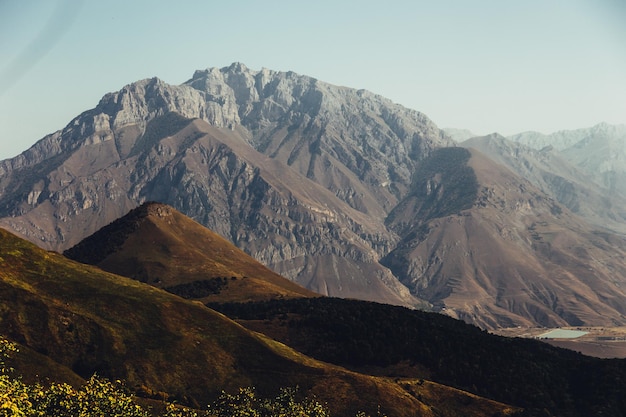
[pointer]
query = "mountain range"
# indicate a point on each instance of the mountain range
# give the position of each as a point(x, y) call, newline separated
point(341, 191)
point(556, 175)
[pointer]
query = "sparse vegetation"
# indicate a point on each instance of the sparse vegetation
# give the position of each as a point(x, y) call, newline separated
point(246, 403)
point(189, 260)
point(90, 321)
point(199, 289)
point(98, 397)
point(84, 321)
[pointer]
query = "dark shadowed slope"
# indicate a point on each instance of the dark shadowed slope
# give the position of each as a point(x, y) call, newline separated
point(403, 343)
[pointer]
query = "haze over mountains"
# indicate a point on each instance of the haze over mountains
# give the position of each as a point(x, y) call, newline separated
point(600, 151)
point(342, 191)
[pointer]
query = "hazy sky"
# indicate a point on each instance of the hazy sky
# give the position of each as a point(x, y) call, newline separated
point(484, 65)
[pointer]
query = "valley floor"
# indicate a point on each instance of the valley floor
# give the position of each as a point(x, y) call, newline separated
point(601, 342)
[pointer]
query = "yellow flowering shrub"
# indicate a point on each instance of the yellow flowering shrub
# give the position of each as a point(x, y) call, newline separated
point(100, 397)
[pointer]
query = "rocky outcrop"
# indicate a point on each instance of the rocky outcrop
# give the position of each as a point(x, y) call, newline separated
point(288, 222)
point(337, 160)
point(359, 145)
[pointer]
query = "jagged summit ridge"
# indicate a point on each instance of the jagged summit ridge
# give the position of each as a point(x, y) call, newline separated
point(368, 138)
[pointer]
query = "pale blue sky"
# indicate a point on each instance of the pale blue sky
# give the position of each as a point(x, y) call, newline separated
point(483, 65)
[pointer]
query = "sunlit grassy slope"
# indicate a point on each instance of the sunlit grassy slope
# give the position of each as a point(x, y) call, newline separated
point(87, 321)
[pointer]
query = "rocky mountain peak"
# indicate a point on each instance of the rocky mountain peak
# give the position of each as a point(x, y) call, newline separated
point(332, 187)
point(370, 143)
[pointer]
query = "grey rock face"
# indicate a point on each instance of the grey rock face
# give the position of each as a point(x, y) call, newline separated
point(335, 161)
point(359, 145)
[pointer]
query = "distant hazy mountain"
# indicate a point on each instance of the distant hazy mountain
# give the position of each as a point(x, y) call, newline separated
point(565, 139)
point(339, 190)
point(458, 135)
point(550, 171)
point(600, 151)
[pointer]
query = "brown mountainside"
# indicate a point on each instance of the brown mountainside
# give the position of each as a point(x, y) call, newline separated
point(156, 244)
point(283, 219)
point(505, 254)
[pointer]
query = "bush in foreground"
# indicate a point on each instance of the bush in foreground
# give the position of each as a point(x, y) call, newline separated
point(100, 397)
